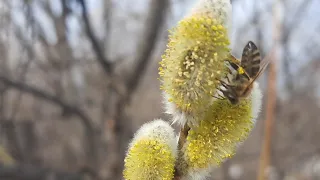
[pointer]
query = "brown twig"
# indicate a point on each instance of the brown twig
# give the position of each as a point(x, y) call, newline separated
point(155, 22)
point(271, 102)
point(112, 80)
point(24, 71)
point(288, 28)
point(106, 65)
point(107, 20)
point(183, 136)
point(266, 148)
point(184, 131)
point(295, 20)
point(11, 133)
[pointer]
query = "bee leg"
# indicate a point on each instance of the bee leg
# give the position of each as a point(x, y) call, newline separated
point(222, 91)
point(228, 79)
point(231, 97)
point(224, 84)
point(233, 65)
point(219, 97)
point(229, 87)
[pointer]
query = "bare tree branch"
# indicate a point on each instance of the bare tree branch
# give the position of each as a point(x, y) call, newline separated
point(107, 20)
point(24, 69)
point(113, 83)
point(43, 95)
point(269, 123)
point(106, 65)
point(13, 143)
point(184, 131)
point(295, 20)
point(155, 22)
point(91, 147)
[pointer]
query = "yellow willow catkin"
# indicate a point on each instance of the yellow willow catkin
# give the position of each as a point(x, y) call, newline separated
point(193, 61)
point(222, 129)
point(195, 58)
point(149, 159)
point(152, 153)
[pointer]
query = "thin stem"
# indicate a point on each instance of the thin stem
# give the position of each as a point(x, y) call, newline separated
point(183, 136)
point(184, 131)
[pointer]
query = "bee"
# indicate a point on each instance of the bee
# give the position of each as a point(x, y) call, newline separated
point(247, 71)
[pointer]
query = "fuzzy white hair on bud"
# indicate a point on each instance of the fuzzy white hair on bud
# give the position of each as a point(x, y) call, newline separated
point(178, 117)
point(152, 152)
point(200, 174)
point(218, 9)
point(157, 129)
point(256, 96)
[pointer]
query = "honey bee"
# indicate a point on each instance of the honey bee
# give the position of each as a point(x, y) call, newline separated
point(247, 71)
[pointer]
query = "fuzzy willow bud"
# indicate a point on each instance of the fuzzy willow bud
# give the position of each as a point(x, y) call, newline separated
point(223, 128)
point(195, 58)
point(152, 153)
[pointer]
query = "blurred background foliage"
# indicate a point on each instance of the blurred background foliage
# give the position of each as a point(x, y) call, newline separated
point(79, 77)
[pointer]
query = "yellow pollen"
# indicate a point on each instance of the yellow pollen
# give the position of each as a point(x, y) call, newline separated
point(241, 70)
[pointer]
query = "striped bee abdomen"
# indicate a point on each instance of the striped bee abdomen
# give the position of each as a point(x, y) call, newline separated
point(251, 59)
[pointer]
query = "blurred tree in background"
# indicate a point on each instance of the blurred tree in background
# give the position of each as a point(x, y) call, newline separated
point(78, 78)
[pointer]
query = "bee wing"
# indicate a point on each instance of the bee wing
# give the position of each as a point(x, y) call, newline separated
point(264, 64)
point(251, 59)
